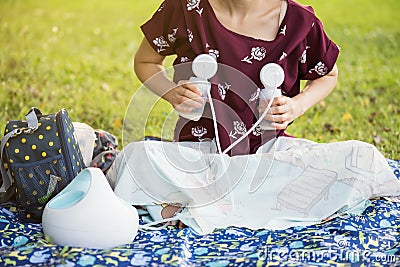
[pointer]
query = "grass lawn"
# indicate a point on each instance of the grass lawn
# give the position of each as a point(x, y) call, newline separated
point(78, 55)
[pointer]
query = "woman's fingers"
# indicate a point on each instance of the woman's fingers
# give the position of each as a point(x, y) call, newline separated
point(280, 126)
point(187, 96)
point(277, 102)
point(183, 99)
point(182, 108)
point(283, 111)
point(191, 89)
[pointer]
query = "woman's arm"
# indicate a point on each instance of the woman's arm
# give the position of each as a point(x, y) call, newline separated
point(284, 109)
point(148, 66)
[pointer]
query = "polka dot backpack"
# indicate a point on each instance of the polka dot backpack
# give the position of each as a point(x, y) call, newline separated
point(40, 156)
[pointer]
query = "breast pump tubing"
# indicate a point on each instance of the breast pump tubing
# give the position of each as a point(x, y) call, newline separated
point(274, 79)
point(179, 216)
point(275, 75)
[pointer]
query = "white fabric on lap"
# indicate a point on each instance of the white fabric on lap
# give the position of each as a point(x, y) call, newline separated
point(287, 183)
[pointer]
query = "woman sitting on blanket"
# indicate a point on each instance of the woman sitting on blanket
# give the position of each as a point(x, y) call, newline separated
point(246, 35)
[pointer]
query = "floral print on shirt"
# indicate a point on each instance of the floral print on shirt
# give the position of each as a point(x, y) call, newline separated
point(320, 69)
point(199, 131)
point(239, 128)
point(160, 43)
point(194, 5)
point(257, 53)
point(187, 28)
point(223, 89)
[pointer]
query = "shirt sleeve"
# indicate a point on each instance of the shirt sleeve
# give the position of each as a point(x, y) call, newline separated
point(161, 30)
point(319, 54)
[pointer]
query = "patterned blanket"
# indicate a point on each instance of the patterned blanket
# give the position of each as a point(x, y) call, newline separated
point(372, 238)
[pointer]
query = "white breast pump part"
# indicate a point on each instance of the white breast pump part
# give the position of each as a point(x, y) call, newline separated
point(271, 76)
point(204, 67)
point(87, 213)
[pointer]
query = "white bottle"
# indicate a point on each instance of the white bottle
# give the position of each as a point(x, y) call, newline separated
point(271, 76)
point(204, 67)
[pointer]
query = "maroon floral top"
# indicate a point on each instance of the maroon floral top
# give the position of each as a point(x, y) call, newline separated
point(187, 28)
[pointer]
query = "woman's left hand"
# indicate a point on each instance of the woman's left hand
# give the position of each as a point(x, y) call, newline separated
point(283, 111)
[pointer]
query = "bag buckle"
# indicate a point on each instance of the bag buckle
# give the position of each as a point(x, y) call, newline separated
point(28, 130)
point(22, 130)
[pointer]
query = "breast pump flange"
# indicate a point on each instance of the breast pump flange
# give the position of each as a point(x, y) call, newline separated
point(204, 67)
point(271, 76)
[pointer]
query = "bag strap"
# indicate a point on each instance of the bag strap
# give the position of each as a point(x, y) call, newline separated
point(5, 176)
point(33, 124)
point(32, 118)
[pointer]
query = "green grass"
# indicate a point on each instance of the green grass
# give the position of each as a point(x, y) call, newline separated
point(78, 55)
point(366, 102)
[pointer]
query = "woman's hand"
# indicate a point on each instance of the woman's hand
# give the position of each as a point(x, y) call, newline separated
point(150, 71)
point(283, 111)
point(184, 97)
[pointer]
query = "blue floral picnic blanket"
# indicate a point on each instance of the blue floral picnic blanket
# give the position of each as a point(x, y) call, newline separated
point(370, 239)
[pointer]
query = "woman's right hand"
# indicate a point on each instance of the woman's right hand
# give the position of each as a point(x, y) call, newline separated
point(150, 71)
point(184, 97)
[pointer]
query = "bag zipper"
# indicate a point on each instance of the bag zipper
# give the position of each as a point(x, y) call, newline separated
point(64, 145)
